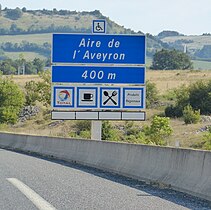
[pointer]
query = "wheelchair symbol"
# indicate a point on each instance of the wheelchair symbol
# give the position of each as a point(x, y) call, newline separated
point(98, 27)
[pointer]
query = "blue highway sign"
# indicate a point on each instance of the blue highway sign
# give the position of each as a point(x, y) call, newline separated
point(98, 74)
point(92, 48)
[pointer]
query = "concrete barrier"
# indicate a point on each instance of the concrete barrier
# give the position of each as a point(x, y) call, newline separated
point(185, 170)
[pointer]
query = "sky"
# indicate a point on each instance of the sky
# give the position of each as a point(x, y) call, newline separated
point(189, 17)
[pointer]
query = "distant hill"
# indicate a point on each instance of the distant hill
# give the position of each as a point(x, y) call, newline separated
point(48, 21)
point(198, 47)
point(23, 30)
point(29, 32)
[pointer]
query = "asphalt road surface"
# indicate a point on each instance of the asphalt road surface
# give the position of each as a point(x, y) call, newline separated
point(33, 182)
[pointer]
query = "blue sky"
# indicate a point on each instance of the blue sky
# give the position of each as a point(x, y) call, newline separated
point(190, 17)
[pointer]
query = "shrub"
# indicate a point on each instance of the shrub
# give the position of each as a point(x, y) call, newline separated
point(190, 116)
point(82, 125)
point(173, 111)
point(182, 99)
point(158, 131)
point(197, 95)
point(130, 129)
point(151, 94)
point(207, 140)
point(11, 101)
point(200, 96)
point(39, 91)
point(110, 133)
point(85, 134)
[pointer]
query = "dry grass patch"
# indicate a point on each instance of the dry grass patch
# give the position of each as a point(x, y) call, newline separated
point(166, 80)
point(187, 135)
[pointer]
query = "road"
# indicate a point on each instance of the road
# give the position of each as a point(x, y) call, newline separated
point(29, 182)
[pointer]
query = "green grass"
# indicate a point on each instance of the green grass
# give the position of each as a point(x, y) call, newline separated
point(32, 38)
point(39, 21)
point(27, 55)
point(148, 62)
point(201, 65)
point(197, 64)
point(197, 41)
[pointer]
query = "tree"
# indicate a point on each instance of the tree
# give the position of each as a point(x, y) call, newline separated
point(164, 34)
point(24, 9)
point(14, 14)
point(171, 60)
point(11, 101)
point(39, 91)
point(38, 64)
point(29, 68)
point(7, 68)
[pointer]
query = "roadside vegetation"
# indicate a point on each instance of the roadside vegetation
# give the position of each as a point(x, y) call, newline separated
point(173, 115)
point(178, 101)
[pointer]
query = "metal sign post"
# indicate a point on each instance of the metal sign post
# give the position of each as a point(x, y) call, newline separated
point(98, 27)
point(96, 130)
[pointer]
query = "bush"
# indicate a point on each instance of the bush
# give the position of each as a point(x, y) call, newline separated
point(130, 129)
point(158, 131)
point(83, 125)
point(11, 101)
point(190, 116)
point(182, 99)
point(207, 140)
point(173, 111)
point(110, 133)
point(151, 94)
point(85, 134)
point(197, 95)
point(39, 91)
point(200, 96)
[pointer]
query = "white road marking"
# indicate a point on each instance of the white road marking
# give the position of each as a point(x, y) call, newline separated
point(37, 200)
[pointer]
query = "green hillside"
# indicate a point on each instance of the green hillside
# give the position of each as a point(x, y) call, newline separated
point(29, 32)
point(32, 38)
point(198, 47)
point(26, 31)
point(40, 21)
